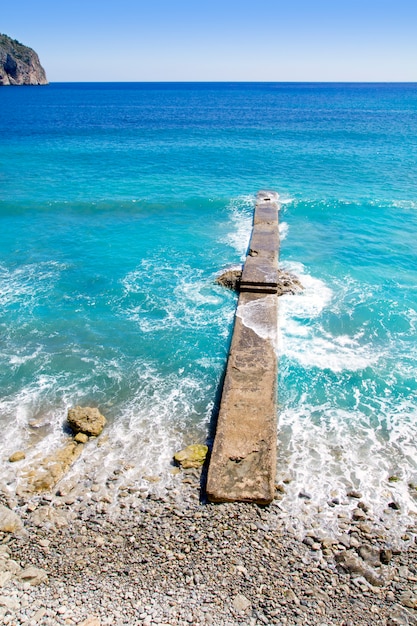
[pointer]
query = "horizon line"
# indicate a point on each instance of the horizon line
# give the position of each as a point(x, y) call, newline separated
point(256, 82)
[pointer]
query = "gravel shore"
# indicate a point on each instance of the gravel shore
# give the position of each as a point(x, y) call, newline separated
point(163, 557)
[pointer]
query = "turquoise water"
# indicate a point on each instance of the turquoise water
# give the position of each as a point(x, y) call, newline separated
point(119, 204)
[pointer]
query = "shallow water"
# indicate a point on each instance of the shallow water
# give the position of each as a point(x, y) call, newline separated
point(118, 206)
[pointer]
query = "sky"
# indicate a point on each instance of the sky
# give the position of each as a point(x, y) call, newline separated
point(219, 40)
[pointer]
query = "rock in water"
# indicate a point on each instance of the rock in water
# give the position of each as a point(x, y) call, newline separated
point(19, 65)
point(288, 283)
point(192, 456)
point(45, 475)
point(230, 278)
point(86, 420)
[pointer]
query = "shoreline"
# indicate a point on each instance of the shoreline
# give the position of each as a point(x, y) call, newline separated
point(166, 558)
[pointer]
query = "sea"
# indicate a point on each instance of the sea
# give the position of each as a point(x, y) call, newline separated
point(120, 203)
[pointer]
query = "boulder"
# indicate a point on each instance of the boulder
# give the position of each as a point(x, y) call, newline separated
point(288, 283)
point(86, 420)
point(191, 456)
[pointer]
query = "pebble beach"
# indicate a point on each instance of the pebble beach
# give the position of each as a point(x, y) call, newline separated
point(162, 556)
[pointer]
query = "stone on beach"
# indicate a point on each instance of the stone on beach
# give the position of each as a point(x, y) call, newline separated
point(91, 621)
point(19, 455)
point(9, 521)
point(81, 438)
point(192, 456)
point(241, 604)
point(353, 564)
point(86, 420)
point(33, 575)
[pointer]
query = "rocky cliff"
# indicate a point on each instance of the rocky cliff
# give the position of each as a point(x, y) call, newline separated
point(19, 65)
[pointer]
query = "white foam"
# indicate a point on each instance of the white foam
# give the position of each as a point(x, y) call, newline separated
point(25, 284)
point(286, 200)
point(404, 204)
point(302, 337)
point(16, 360)
point(326, 451)
point(150, 427)
point(191, 302)
point(256, 315)
point(162, 413)
point(283, 230)
point(241, 219)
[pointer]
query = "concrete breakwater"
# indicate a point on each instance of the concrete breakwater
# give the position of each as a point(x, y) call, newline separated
point(243, 460)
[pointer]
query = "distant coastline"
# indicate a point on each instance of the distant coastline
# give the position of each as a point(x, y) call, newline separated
point(19, 64)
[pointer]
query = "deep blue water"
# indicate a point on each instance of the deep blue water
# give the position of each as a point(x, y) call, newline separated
point(119, 203)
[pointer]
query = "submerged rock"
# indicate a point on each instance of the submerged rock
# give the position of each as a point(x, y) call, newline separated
point(45, 474)
point(86, 420)
point(192, 456)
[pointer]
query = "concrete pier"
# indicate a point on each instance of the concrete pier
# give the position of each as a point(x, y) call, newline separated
point(243, 460)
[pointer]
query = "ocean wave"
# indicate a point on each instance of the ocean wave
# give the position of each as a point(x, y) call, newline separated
point(283, 230)
point(240, 212)
point(303, 337)
point(190, 302)
point(25, 285)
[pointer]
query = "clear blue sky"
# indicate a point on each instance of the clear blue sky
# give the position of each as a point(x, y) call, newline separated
point(217, 40)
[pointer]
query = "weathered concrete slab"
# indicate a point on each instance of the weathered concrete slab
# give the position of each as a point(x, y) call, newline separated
point(259, 275)
point(243, 459)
